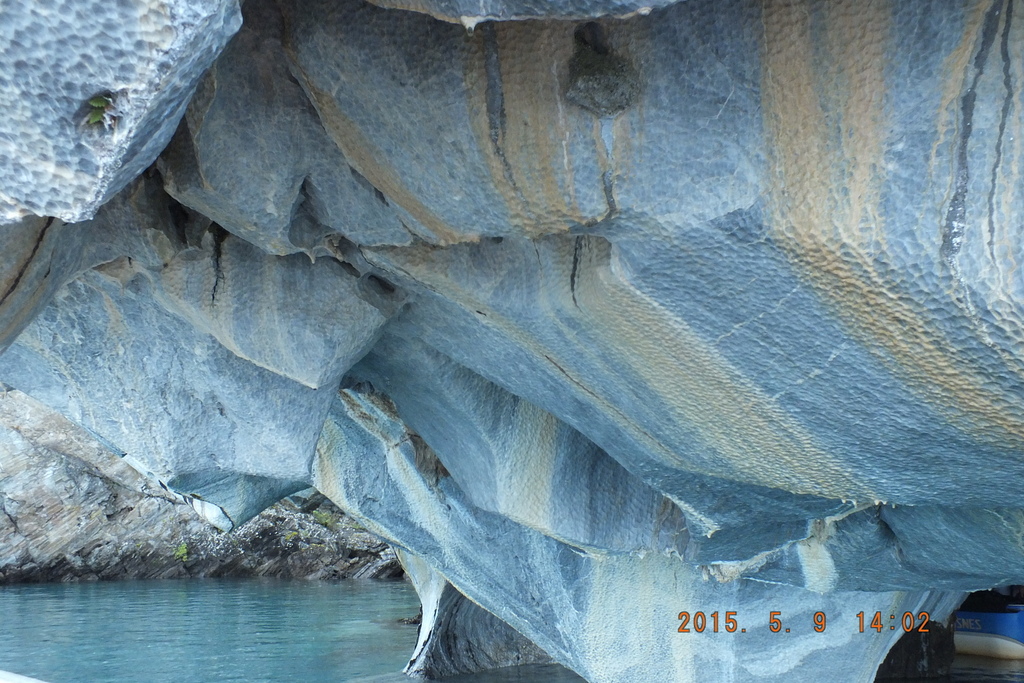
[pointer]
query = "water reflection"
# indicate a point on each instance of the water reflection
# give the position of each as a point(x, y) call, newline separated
point(212, 631)
point(983, 670)
point(222, 631)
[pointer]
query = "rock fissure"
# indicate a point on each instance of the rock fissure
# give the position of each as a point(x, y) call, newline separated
point(1004, 55)
point(623, 306)
point(27, 262)
point(956, 220)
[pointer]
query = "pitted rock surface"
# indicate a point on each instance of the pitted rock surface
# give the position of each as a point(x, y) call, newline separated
point(592, 309)
point(58, 54)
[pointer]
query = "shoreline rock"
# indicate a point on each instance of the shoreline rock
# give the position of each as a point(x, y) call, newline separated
point(70, 510)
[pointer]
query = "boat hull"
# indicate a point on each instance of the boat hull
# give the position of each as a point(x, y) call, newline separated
point(990, 634)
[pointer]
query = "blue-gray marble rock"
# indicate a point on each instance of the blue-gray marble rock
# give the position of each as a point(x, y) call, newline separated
point(302, 320)
point(97, 350)
point(712, 307)
point(610, 617)
point(71, 510)
point(133, 63)
point(458, 636)
point(27, 278)
point(252, 155)
point(470, 13)
point(195, 332)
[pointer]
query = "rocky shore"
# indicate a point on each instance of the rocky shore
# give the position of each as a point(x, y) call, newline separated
point(71, 510)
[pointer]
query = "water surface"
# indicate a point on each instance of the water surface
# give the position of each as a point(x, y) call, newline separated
point(984, 670)
point(257, 631)
point(211, 631)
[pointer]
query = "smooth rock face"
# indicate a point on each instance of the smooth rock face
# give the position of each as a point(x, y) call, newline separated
point(168, 348)
point(180, 412)
point(483, 142)
point(143, 56)
point(300, 320)
point(564, 599)
point(519, 461)
point(25, 279)
point(710, 308)
point(252, 155)
point(458, 636)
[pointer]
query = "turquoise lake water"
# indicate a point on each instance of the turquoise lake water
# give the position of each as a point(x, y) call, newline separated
point(225, 631)
point(217, 631)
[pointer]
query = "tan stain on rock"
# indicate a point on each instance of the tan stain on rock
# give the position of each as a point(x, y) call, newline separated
point(826, 127)
point(368, 161)
point(748, 436)
point(860, 36)
point(526, 143)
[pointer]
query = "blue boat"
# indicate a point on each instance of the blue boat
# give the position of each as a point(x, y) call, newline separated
point(991, 634)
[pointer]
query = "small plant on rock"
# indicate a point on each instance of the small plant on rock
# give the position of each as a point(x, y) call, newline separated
point(181, 553)
point(324, 518)
point(102, 110)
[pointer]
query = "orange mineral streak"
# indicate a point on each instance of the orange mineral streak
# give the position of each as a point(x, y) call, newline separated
point(367, 159)
point(527, 147)
point(823, 102)
point(688, 375)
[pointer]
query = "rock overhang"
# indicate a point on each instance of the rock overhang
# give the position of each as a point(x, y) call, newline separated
point(725, 284)
point(142, 58)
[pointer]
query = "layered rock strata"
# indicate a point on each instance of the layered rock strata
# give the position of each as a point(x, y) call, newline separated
point(604, 315)
point(70, 510)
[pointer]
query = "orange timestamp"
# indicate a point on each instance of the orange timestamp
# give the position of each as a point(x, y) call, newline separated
point(727, 622)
